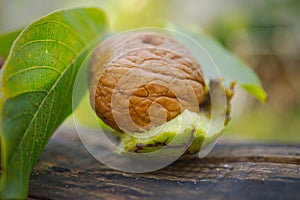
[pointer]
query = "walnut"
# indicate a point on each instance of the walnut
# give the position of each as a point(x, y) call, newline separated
point(142, 80)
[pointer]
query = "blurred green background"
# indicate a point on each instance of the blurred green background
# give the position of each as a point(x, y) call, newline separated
point(266, 34)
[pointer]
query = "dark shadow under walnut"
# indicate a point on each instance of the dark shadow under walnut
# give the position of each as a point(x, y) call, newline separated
point(231, 171)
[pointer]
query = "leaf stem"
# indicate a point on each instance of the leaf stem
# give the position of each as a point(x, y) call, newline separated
point(12, 184)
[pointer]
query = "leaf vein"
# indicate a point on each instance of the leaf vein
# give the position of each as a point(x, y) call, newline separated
point(48, 119)
point(45, 40)
point(28, 91)
point(19, 115)
point(72, 31)
point(51, 89)
point(32, 68)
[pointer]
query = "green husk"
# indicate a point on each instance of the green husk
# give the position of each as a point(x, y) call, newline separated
point(186, 130)
point(188, 133)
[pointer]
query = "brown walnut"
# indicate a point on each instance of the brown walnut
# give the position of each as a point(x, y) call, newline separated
point(141, 80)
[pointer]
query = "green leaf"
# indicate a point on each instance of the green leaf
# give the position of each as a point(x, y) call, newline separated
point(256, 91)
point(37, 84)
point(229, 66)
point(6, 41)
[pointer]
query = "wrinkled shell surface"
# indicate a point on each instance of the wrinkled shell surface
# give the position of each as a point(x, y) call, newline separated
point(142, 80)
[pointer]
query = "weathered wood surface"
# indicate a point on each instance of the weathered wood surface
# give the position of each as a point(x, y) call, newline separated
point(232, 171)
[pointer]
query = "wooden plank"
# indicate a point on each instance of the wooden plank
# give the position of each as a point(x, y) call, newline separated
point(232, 171)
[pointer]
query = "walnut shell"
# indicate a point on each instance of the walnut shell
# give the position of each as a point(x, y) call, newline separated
point(142, 80)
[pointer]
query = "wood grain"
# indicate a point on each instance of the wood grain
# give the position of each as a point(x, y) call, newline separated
point(231, 171)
